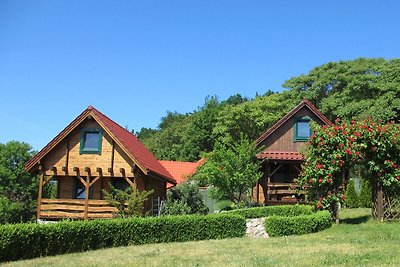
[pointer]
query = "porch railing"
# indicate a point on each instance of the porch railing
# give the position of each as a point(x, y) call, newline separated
point(281, 193)
point(75, 209)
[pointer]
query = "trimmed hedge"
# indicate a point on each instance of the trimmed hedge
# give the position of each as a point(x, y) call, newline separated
point(298, 225)
point(23, 241)
point(266, 211)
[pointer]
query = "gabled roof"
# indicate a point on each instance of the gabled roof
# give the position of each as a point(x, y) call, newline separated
point(281, 155)
point(128, 142)
point(181, 170)
point(304, 103)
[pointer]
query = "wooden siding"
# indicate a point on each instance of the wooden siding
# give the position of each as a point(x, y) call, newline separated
point(69, 148)
point(282, 138)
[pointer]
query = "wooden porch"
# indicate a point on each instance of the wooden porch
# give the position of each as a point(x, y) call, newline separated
point(75, 209)
point(276, 187)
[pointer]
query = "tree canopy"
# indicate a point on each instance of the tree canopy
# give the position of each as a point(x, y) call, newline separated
point(348, 90)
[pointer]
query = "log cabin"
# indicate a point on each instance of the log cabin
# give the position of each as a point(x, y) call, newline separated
point(87, 156)
point(282, 146)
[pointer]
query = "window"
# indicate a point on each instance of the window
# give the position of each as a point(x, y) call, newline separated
point(120, 184)
point(91, 141)
point(79, 191)
point(302, 129)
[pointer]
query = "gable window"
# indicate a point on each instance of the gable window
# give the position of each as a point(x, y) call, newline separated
point(91, 141)
point(302, 129)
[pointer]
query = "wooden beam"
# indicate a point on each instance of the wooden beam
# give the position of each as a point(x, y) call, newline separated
point(94, 180)
point(112, 155)
point(272, 173)
point(47, 180)
point(41, 175)
point(87, 188)
point(54, 170)
point(135, 174)
point(66, 157)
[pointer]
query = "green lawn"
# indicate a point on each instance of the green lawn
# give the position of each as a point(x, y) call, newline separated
point(357, 241)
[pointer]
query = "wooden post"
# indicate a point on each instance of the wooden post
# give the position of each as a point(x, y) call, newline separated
point(268, 180)
point(379, 202)
point(41, 176)
point(87, 188)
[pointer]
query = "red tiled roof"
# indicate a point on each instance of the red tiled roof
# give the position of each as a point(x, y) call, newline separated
point(285, 118)
point(134, 147)
point(280, 155)
point(128, 142)
point(181, 170)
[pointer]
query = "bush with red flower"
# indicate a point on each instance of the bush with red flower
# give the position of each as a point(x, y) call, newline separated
point(333, 150)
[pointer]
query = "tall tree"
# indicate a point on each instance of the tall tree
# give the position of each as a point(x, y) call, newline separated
point(16, 185)
point(231, 170)
point(350, 89)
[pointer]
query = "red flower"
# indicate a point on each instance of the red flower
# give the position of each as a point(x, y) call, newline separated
point(320, 180)
point(357, 153)
point(319, 205)
point(373, 148)
point(343, 197)
point(329, 181)
point(320, 166)
point(341, 145)
point(310, 181)
point(394, 165)
point(321, 139)
point(330, 175)
point(320, 199)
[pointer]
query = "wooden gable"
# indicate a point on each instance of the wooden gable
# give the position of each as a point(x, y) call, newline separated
point(281, 136)
point(66, 154)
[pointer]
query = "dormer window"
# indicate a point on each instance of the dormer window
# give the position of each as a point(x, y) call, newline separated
point(91, 141)
point(302, 129)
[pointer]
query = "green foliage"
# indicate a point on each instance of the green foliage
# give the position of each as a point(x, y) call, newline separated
point(353, 89)
point(184, 199)
point(334, 149)
point(297, 225)
point(232, 170)
point(10, 211)
point(365, 198)
point(23, 241)
point(284, 211)
point(351, 195)
point(18, 186)
point(128, 202)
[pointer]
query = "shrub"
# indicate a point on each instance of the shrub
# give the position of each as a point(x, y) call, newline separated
point(10, 212)
point(128, 202)
point(23, 241)
point(351, 195)
point(260, 212)
point(297, 225)
point(365, 195)
point(184, 199)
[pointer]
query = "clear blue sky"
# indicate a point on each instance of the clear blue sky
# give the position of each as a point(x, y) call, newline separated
point(135, 60)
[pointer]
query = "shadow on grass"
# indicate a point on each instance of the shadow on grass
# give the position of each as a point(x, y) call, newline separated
point(356, 220)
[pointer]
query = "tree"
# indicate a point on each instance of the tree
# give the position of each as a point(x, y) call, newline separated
point(333, 150)
point(16, 185)
point(351, 195)
point(128, 202)
point(353, 89)
point(365, 198)
point(231, 169)
point(184, 199)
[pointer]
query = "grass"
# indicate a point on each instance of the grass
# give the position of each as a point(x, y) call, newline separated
point(356, 241)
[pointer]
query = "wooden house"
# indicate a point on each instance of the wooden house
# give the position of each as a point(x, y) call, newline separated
point(91, 153)
point(282, 146)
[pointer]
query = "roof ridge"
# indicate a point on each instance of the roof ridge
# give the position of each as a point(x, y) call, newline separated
point(303, 103)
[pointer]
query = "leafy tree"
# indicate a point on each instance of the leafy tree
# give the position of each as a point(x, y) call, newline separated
point(333, 150)
point(184, 199)
point(365, 198)
point(197, 138)
point(231, 170)
point(351, 195)
point(16, 185)
point(128, 202)
point(353, 89)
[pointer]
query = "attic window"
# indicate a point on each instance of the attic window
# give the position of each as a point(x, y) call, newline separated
point(302, 129)
point(91, 141)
